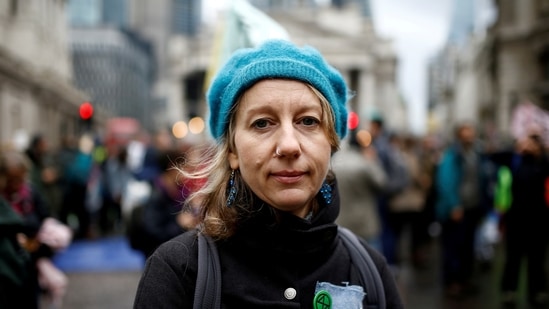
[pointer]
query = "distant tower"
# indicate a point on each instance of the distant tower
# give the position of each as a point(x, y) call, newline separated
point(363, 4)
point(462, 23)
point(93, 13)
point(115, 12)
point(366, 8)
point(269, 5)
point(186, 17)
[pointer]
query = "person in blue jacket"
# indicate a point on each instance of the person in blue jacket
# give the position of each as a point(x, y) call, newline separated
point(463, 199)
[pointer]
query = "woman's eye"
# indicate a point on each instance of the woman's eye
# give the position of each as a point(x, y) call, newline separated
point(260, 123)
point(310, 121)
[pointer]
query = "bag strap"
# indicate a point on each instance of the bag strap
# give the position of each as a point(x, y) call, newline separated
point(207, 294)
point(369, 274)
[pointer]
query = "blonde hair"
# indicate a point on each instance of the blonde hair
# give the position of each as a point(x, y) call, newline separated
point(217, 219)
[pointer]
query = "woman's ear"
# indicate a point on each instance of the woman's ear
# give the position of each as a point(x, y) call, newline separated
point(233, 160)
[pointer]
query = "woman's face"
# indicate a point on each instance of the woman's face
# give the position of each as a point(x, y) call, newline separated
point(287, 115)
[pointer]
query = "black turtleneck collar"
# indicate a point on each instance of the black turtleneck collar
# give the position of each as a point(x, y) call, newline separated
point(285, 234)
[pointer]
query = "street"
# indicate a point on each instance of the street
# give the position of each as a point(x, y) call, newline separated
point(92, 287)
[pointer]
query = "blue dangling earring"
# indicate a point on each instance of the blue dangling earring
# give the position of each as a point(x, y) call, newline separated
point(231, 190)
point(326, 192)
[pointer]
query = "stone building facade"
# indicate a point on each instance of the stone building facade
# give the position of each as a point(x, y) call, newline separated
point(36, 94)
point(520, 46)
point(485, 79)
point(343, 35)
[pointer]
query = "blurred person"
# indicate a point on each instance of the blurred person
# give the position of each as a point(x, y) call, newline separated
point(463, 200)
point(18, 289)
point(406, 207)
point(136, 149)
point(429, 158)
point(161, 218)
point(115, 178)
point(392, 163)
point(149, 167)
point(397, 180)
point(42, 236)
point(525, 221)
point(95, 188)
point(64, 157)
point(77, 175)
point(145, 169)
point(44, 172)
point(360, 179)
point(269, 207)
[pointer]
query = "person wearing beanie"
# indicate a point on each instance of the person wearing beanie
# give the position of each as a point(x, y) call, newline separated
point(277, 114)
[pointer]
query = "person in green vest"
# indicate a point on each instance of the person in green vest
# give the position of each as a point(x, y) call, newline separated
point(520, 198)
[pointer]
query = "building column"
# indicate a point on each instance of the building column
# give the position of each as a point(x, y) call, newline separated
point(366, 94)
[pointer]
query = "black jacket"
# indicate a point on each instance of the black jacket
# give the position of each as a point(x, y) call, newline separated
point(18, 280)
point(264, 258)
point(529, 209)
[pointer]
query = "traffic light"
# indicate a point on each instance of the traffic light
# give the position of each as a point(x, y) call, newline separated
point(86, 115)
point(86, 111)
point(353, 121)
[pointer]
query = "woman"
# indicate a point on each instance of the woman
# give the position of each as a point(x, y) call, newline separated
point(277, 113)
point(41, 235)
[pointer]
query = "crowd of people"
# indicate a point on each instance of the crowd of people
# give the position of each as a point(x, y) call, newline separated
point(274, 180)
point(467, 196)
point(83, 189)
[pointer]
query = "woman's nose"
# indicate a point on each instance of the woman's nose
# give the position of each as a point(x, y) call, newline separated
point(288, 144)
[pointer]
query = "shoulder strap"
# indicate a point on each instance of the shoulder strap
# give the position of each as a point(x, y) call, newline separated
point(207, 295)
point(375, 294)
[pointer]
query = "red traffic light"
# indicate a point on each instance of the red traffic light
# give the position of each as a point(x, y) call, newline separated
point(86, 110)
point(352, 121)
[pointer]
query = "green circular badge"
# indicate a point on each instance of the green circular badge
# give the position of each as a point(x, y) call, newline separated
point(322, 300)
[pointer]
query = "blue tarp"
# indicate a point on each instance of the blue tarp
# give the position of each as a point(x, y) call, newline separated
point(100, 255)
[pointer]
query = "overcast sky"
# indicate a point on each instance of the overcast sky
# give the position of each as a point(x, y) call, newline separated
point(418, 29)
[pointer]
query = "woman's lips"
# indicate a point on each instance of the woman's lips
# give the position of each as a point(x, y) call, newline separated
point(288, 177)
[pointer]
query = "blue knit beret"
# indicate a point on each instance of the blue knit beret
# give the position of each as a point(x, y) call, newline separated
point(275, 59)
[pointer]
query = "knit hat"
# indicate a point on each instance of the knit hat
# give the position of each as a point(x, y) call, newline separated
point(275, 59)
